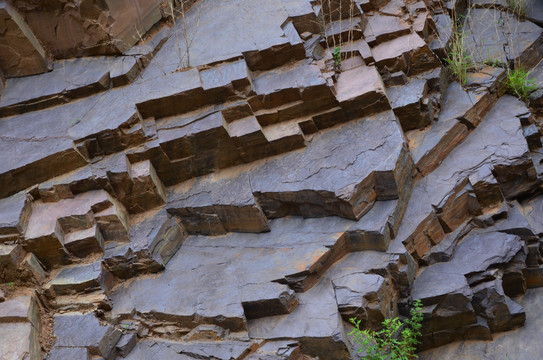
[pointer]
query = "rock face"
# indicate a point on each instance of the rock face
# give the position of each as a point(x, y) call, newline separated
point(210, 188)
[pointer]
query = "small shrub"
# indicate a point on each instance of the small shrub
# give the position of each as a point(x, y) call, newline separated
point(396, 341)
point(518, 84)
point(458, 60)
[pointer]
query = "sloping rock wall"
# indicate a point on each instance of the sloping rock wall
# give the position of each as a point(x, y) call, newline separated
point(248, 177)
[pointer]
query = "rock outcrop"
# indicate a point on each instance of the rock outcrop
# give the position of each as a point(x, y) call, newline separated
point(178, 184)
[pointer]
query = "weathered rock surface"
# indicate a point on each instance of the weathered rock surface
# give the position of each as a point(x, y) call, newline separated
point(241, 189)
point(154, 238)
point(521, 343)
point(76, 330)
point(499, 36)
point(22, 53)
point(20, 327)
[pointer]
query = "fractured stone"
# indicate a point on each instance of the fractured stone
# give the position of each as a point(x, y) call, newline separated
point(155, 237)
point(22, 53)
point(210, 206)
point(312, 191)
point(81, 278)
point(408, 53)
point(84, 330)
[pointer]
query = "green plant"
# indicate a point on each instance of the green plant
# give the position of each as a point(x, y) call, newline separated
point(518, 6)
point(337, 57)
point(518, 84)
point(458, 60)
point(396, 340)
point(11, 284)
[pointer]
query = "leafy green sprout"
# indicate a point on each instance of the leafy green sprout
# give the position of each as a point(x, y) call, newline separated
point(396, 340)
point(337, 57)
point(11, 284)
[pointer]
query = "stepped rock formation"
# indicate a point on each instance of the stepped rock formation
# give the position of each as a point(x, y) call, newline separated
point(237, 179)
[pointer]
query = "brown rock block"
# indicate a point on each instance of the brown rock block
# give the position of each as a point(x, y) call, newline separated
point(51, 223)
point(204, 144)
point(408, 53)
point(455, 209)
point(11, 256)
point(361, 91)
point(208, 205)
point(486, 187)
point(80, 278)
point(290, 83)
point(382, 28)
point(410, 104)
point(14, 214)
point(21, 53)
point(368, 297)
point(274, 56)
point(267, 299)
point(84, 242)
point(154, 238)
point(82, 30)
point(139, 188)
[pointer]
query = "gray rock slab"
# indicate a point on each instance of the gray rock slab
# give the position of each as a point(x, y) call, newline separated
point(81, 278)
point(477, 251)
point(212, 46)
point(68, 78)
point(20, 309)
point(19, 340)
point(516, 223)
point(126, 344)
point(490, 31)
point(321, 336)
point(14, 213)
point(84, 330)
point(292, 252)
point(536, 75)
point(532, 211)
point(322, 181)
point(436, 283)
point(58, 353)
point(160, 349)
point(219, 303)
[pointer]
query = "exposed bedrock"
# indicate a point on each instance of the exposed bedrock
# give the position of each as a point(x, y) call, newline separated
point(240, 180)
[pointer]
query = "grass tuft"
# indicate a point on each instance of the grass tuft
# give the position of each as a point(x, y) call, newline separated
point(517, 83)
point(458, 60)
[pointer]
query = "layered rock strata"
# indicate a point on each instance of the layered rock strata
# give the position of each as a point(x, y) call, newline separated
point(241, 189)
